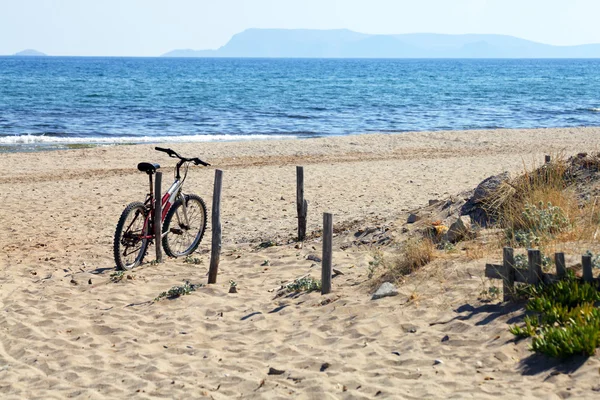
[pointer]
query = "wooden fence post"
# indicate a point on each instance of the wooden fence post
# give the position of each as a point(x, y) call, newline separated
point(301, 204)
point(548, 159)
point(158, 215)
point(586, 262)
point(327, 253)
point(535, 266)
point(215, 252)
point(561, 269)
point(508, 288)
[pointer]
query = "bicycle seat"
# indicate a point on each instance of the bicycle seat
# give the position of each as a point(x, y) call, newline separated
point(148, 168)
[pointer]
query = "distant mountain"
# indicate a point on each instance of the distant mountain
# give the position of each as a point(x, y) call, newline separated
point(30, 52)
point(342, 43)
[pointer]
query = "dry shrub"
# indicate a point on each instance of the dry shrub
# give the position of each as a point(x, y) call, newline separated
point(416, 253)
point(538, 206)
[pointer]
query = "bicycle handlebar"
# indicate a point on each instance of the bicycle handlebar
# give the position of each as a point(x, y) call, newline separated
point(174, 154)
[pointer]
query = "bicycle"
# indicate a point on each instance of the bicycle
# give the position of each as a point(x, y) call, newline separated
point(180, 237)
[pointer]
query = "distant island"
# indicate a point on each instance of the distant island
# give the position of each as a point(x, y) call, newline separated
point(30, 52)
point(343, 43)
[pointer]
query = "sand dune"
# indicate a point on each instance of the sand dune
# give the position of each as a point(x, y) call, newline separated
point(66, 330)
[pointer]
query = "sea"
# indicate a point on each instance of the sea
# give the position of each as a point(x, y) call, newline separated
point(65, 102)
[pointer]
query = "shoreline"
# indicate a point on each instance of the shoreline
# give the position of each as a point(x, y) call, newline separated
point(86, 143)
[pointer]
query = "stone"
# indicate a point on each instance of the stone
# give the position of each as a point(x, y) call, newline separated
point(409, 328)
point(386, 289)
point(461, 229)
point(314, 258)
point(437, 362)
point(445, 338)
point(274, 371)
point(412, 218)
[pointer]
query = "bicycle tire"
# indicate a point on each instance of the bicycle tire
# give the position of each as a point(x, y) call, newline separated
point(172, 236)
point(126, 237)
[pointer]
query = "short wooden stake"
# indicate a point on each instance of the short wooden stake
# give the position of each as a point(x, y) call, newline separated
point(509, 267)
point(548, 159)
point(215, 251)
point(561, 268)
point(535, 266)
point(586, 262)
point(158, 215)
point(301, 204)
point(327, 253)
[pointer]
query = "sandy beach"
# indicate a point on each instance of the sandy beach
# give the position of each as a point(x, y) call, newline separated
point(67, 330)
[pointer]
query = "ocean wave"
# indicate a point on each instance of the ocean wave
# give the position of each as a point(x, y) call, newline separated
point(43, 139)
point(594, 109)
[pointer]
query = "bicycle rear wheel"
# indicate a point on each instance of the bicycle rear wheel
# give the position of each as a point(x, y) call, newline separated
point(129, 245)
point(180, 239)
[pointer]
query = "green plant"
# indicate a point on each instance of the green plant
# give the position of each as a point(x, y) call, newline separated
point(117, 276)
point(522, 261)
point(491, 292)
point(595, 259)
point(447, 247)
point(537, 222)
point(265, 263)
point(192, 260)
point(377, 261)
point(177, 291)
point(266, 245)
point(565, 319)
point(232, 283)
point(305, 284)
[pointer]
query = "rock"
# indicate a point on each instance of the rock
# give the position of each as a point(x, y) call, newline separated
point(90, 281)
point(386, 289)
point(437, 362)
point(412, 218)
point(474, 205)
point(445, 338)
point(434, 201)
point(461, 229)
point(478, 365)
point(314, 258)
point(488, 186)
point(324, 366)
point(409, 328)
point(233, 289)
point(274, 371)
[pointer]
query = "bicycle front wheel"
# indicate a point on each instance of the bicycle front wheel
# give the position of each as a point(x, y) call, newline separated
point(129, 244)
point(181, 239)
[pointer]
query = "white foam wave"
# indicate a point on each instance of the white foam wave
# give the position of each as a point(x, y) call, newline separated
point(595, 109)
point(41, 139)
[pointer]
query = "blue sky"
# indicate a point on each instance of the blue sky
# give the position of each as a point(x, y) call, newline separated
point(153, 27)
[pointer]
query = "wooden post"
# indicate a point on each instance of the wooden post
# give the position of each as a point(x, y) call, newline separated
point(535, 266)
point(327, 253)
point(561, 268)
point(301, 204)
point(548, 159)
point(586, 262)
point(508, 281)
point(215, 251)
point(158, 215)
